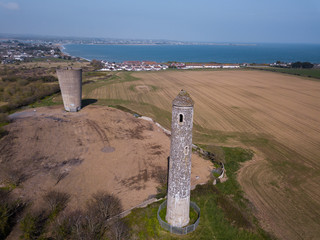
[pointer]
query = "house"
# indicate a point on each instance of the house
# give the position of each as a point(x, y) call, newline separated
point(148, 68)
point(157, 68)
point(193, 66)
point(146, 63)
point(230, 66)
point(212, 65)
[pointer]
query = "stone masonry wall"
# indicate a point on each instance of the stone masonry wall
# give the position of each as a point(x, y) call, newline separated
point(180, 157)
point(178, 201)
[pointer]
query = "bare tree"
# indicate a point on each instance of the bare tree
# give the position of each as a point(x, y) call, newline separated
point(105, 205)
point(56, 200)
point(99, 220)
point(118, 230)
point(102, 208)
point(69, 225)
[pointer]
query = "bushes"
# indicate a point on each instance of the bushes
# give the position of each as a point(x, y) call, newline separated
point(161, 176)
point(4, 213)
point(10, 79)
point(14, 176)
point(3, 132)
point(3, 119)
point(99, 220)
point(104, 206)
point(44, 79)
point(49, 78)
point(302, 65)
point(20, 90)
point(9, 210)
point(22, 96)
point(56, 201)
point(32, 225)
point(96, 64)
point(4, 221)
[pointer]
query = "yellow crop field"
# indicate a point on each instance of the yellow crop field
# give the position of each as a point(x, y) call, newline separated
point(274, 114)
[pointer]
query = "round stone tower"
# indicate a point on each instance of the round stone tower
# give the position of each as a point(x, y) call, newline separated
point(178, 199)
point(70, 81)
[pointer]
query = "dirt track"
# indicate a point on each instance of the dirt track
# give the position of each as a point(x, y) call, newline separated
point(98, 148)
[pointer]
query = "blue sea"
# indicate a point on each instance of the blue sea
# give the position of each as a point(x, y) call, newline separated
point(255, 53)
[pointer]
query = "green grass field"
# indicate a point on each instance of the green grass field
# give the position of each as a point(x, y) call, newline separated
point(310, 73)
point(224, 210)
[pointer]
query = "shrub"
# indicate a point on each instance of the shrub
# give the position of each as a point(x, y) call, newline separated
point(49, 78)
point(57, 201)
point(100, 219)
point(32, 225)
point(161, 175)
point(46, 78)
point(3, 121)
point(18, 97)
point(96, 64)
point(105, 205)
point(14, 176)
point(3, 132)
point(102, 208)
point(4, 214)
point(9, 209)
point(302, 65)
point(10, 79)
point(118, 230)
point(22, 82)
point(68, 224)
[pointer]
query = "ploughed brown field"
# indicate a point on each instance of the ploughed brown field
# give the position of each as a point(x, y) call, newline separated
point(276, 115)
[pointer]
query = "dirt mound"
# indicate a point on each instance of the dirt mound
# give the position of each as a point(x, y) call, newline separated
point(143, 88)
point(98, 148)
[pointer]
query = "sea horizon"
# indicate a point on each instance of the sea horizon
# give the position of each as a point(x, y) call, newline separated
point(222, 53)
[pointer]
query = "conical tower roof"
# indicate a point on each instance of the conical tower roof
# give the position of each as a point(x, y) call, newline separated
point(183, 100)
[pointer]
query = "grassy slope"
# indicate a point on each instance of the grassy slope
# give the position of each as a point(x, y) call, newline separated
point(310, 73)
point(224, 211)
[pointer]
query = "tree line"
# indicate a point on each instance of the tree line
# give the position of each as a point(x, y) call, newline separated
point(302, 65)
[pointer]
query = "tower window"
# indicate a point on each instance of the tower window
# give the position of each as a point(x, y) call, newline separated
point(186, 150)
point(180, 118)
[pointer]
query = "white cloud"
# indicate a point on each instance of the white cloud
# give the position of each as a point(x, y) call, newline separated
point(10, 5)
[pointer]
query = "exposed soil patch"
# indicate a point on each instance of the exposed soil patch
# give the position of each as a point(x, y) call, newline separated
point(107, 149)
point(98, 148)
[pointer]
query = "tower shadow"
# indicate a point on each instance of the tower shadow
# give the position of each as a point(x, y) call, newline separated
point(88, 101)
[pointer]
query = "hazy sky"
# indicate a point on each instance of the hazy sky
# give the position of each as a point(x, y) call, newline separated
point(291, 21)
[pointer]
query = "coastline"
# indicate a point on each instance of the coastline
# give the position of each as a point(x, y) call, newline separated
point(220, 53)
point(63, 50)
point(166, 44)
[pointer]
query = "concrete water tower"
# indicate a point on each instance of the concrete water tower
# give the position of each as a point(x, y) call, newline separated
point(178, 199)
point(70, 81)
